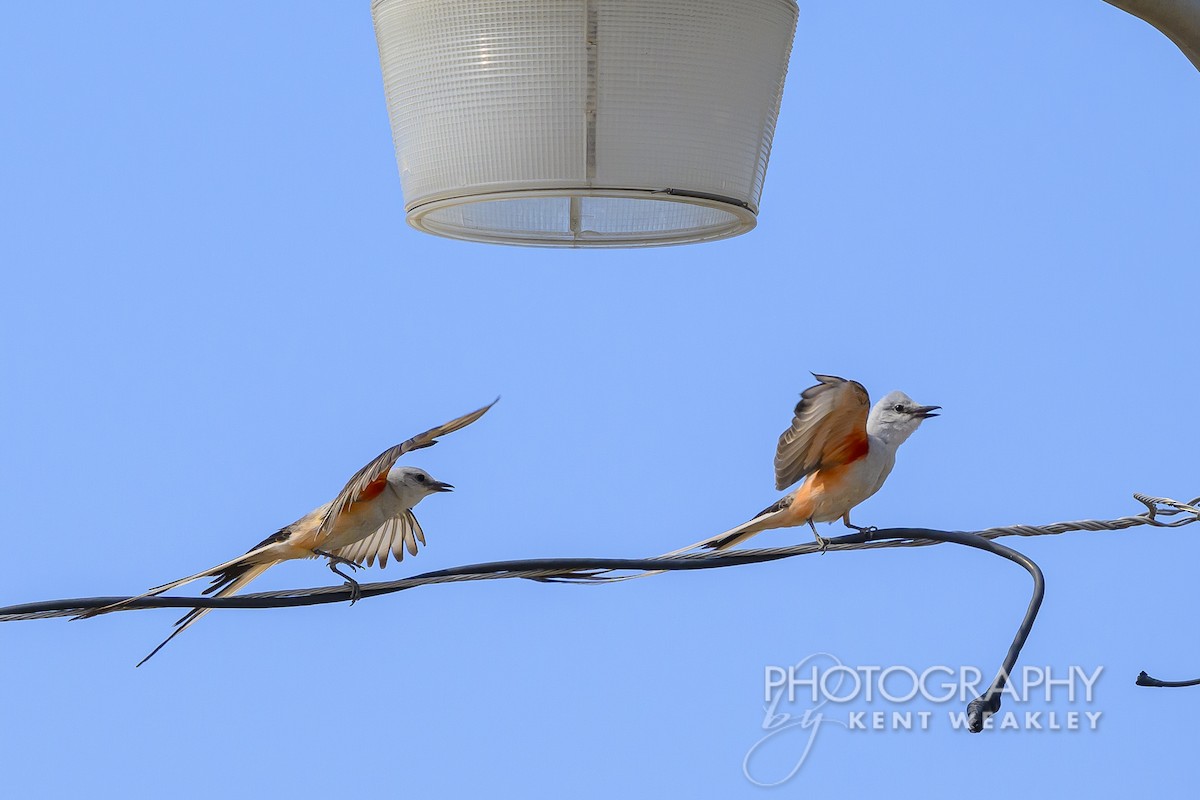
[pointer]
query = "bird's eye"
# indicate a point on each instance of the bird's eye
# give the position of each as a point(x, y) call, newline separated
point(420, 479)
point(899, 408)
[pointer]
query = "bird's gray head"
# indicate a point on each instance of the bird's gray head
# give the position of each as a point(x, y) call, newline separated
point(416, 482)
point(896, 416)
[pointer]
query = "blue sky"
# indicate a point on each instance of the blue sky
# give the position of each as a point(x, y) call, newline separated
point(215, 314)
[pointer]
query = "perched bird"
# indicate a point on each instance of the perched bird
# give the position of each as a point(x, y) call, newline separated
point(369, 519)
point(843, 454)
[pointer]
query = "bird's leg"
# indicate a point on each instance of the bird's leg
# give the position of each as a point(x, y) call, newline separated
point(849, 524)
point(355, 589)
point(821, 540)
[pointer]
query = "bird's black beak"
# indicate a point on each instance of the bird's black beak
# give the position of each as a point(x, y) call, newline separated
point(925, 412)
point(438, 486)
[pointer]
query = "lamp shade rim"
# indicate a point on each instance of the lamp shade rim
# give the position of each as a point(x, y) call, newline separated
point(736, 218)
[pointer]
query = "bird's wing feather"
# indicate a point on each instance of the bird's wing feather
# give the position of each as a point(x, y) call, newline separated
point(392, 538)
point(371, 479)
point(829, 428)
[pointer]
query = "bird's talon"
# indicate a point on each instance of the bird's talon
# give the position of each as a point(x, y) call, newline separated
point(355, 590)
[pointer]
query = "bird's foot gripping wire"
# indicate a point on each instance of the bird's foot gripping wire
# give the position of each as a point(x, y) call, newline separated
point(822, 542)
point(355, 589)
point(862, 530)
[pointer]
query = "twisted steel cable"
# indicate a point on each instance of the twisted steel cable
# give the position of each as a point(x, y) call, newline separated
point(569, 569)
point(586, 570)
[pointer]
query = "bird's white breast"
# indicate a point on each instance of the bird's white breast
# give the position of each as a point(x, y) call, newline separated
point(860, 480)
point(363, 519)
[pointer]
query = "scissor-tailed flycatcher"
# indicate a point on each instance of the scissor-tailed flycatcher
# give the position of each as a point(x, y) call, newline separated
point(370, 518)
point(843, 454)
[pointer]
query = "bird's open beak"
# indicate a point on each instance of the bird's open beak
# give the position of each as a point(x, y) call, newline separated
point(438, 486)
point(925, 412)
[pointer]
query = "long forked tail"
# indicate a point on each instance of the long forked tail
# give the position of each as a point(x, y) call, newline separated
point(768, 518)
point(157, 590)
point(733, 536)
point(226, 583)
point(219, 571)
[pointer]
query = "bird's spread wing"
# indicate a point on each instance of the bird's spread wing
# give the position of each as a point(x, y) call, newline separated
point(371, 479)
point(392, 538)
point(830, 428)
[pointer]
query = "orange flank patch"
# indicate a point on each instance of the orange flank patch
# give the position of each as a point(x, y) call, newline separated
point(815, 487)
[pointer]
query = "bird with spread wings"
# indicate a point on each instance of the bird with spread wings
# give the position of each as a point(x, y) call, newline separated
point(842, 453)
point(370, 519)
point(841, 447)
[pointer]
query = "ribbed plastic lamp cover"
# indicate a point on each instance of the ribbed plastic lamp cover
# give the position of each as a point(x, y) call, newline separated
point(583, 123)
